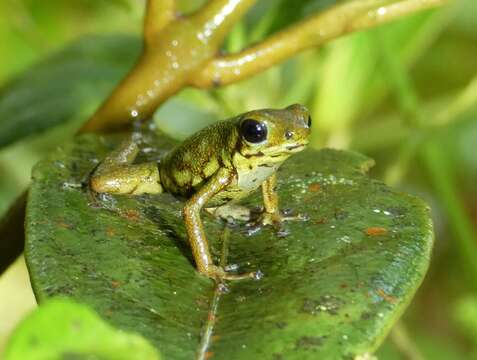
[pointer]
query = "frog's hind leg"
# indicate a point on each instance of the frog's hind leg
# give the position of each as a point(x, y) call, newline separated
point(231, 213)
point(117, 174)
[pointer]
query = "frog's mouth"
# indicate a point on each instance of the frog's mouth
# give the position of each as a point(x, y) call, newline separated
point(293, 148)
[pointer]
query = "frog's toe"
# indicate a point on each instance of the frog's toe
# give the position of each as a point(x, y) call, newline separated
point(276, 220)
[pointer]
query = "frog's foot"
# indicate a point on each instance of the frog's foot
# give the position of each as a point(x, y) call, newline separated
point(231, 213)
point(219, 274)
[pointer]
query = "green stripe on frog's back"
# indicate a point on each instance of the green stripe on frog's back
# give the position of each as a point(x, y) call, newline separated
point(188, 166)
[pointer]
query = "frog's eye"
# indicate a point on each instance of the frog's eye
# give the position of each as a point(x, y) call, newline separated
point(309, 121)
point(253, 131)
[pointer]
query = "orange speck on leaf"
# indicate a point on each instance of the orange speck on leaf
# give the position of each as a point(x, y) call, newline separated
point(130, 214)
point(315, 187)
point(388, 298)
point(64, 225)
point(375, 231)
point(115, 284)
point(208, 355)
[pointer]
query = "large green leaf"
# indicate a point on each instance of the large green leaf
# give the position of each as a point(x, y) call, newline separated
point(65, 85)
point(332, 287)
point(62, 329)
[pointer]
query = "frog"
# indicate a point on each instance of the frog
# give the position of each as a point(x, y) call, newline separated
point(213, 169)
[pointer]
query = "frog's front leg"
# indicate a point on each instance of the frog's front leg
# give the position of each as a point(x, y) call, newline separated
point(195, 229)
point(271, 214)
point(117, 174)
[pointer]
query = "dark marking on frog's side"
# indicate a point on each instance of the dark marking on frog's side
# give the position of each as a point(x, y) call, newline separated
point(133, 189)
point(265, 165)
point(259, 154)
point(309, 342)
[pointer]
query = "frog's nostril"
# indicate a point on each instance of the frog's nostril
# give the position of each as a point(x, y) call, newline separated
point(288, 134)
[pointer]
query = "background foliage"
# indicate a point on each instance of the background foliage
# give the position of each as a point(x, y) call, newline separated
point(404, 94)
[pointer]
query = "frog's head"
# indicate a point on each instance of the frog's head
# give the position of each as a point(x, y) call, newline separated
point(275, 133)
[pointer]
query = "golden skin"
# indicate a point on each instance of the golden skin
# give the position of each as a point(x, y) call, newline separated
point(217, 166)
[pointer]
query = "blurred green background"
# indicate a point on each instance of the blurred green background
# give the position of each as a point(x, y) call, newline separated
point(404, 93)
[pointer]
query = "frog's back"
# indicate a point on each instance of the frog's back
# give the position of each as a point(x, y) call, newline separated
point(187, 167)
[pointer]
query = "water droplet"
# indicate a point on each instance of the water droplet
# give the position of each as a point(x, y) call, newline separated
point(223, 288)
point(382, 11)
point(258, 275)
point(231, 267)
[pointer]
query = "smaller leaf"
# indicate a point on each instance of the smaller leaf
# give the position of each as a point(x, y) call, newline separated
point(63, 329)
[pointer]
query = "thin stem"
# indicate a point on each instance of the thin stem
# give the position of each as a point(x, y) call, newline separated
point(337, 21)
point(466, 99)
point(403, 342)
point(204, 344)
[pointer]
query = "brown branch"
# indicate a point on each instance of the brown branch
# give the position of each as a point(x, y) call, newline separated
point(169, 59)
point(313, 32)
point(184, 51)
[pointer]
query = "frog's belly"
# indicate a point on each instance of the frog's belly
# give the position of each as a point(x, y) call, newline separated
point(247, 182)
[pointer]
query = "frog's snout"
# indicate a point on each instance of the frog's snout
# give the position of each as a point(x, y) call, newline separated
point(301, 114)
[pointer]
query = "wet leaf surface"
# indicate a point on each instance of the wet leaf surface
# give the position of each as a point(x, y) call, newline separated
point(332, 287)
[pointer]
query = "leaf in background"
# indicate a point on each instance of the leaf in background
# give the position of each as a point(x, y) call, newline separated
point(62, 329)
point(332, 288)
point(64, 86)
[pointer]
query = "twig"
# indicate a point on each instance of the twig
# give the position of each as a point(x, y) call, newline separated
point(182, 51)
point(313, 32)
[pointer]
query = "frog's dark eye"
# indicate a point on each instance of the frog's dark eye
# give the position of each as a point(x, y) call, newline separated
point(309, 121)
point(253, 131)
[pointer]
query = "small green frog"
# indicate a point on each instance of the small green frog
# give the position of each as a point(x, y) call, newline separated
point(213, 168)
